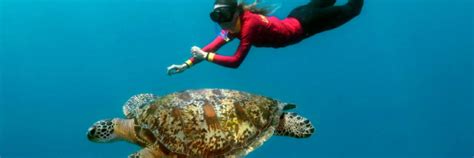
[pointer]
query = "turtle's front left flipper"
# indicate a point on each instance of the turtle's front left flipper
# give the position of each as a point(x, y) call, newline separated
point(132, 106)
point(150, 152)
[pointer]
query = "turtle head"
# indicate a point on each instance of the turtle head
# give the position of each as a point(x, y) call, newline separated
point(102, 131)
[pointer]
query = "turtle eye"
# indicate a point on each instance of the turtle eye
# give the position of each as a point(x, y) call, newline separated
point(92, 131)
point(92, 135)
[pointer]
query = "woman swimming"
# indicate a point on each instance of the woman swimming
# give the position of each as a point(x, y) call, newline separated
point(253, 28)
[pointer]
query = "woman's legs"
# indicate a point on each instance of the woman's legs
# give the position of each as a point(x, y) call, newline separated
point(315, 19)
point(322, 3)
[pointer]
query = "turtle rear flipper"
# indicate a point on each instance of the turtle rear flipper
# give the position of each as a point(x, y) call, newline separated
point(136, 102)
point(294, 125)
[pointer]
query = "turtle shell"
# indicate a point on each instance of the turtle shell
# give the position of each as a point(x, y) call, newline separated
point(210, 122)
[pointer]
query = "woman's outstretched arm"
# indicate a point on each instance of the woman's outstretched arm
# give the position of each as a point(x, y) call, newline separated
point(218, 42)
point(233, 61)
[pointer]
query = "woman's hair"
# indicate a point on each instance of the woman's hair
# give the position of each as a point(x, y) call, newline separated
point(264, 10)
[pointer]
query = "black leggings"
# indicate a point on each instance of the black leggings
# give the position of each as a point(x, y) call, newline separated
point(321, 15)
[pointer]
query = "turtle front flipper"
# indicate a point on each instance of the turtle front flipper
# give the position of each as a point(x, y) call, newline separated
point(136, 102)
point(294, 125)
point(144, 136)
point(153, 151)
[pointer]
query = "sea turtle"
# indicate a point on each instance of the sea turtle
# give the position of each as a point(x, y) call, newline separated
point(201, 123)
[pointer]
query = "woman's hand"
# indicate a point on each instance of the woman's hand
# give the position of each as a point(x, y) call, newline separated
point(198, 53)
point(174, 69)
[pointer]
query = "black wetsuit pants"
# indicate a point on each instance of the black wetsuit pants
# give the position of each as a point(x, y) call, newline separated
point(321, 15)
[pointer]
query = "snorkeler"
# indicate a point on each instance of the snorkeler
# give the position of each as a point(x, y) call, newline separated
point(249, 24)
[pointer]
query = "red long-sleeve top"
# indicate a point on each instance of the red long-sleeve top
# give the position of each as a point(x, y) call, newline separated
point(256, 30)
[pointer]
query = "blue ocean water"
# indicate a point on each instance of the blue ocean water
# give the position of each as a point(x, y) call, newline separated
point(397, 81)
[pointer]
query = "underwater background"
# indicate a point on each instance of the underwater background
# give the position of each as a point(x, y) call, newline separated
point(396, 81)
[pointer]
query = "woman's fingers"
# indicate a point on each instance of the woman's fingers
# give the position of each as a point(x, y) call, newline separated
point(195, 49)
point(172, 69)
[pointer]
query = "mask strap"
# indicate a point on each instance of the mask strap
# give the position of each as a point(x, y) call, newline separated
point(220, 6)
